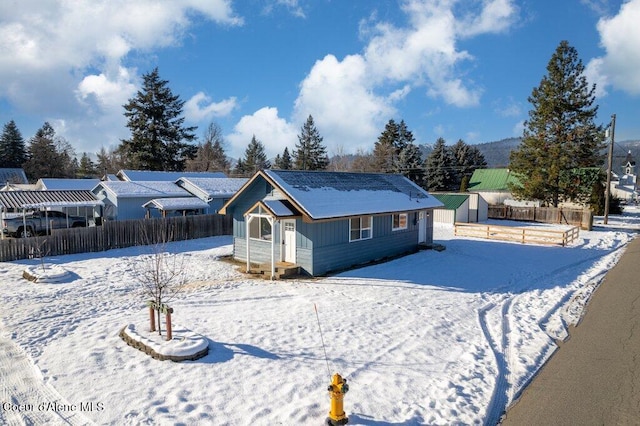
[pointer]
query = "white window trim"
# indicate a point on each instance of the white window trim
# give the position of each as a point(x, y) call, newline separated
point(258, 217)
point(370, 228)
point(406, 221)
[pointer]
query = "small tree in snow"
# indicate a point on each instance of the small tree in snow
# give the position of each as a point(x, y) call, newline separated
point(162, 275)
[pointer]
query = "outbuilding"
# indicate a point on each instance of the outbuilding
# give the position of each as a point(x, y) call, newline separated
point(328, 221)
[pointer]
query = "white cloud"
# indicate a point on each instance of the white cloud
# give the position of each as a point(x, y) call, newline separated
point(200, 108)
point(64, 59)
point(292, 5)
point(108, 93)
point(351, 99)
point(274, 132)
point(496, 16)
point(620, 37)
point(339, 96)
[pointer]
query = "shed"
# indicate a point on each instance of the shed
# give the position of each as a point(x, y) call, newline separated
point(455, 208)
point(124, 200)
point(327, 221)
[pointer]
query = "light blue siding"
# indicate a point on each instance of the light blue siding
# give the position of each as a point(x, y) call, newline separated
point(332, 250)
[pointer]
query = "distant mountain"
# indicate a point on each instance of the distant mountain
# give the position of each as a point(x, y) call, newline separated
point(497, 153)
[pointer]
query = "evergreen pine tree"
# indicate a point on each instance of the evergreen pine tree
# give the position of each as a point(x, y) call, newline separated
point(385, 150)
point(13, 152)
point(560, 136)
point(42, 155)
point(86, 167)
point(440, 164)
point(410, 163)
point(254, 159)
point(468, 159)
point(159, 139)
point(283, 162)
point(310, 153)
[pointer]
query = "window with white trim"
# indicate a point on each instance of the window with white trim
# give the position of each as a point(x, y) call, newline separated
point(399, 221)
point(360, 228)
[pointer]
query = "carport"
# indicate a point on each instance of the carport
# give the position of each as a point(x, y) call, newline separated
point(78, 202)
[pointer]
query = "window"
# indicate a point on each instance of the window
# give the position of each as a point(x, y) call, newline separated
point(360, 228)
point(260, 229)
point(399, 221)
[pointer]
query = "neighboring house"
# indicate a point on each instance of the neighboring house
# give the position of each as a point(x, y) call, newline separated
point(493, 187)
point(625, 186)
point(12, 176)
point(213, 191)
point(125, 200)
point(455, 208)
point(327, 221)
point(53, 184)
point(157, 176)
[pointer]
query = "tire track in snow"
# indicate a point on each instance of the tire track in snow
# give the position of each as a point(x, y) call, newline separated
point(21, 384)
point(502, 352)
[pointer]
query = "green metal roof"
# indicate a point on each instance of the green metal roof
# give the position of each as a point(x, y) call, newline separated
point(451, 201)
point(492, 180)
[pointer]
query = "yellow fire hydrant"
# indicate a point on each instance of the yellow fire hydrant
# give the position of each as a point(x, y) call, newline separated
point(337, 389)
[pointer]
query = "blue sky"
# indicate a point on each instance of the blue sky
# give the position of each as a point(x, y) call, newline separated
point(457, 69)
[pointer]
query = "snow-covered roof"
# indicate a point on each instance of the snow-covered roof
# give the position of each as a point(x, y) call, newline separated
point(279, 208)
point(325, 195)
point(211, 187)
point(123, 189)
point(182, 203)
point(146, 175)
point(32, 199)
point(66, 184)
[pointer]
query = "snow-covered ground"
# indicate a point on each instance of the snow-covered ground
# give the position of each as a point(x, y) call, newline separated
point(431, 338)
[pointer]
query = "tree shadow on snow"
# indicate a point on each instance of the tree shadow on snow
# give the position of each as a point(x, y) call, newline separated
point(220, 352)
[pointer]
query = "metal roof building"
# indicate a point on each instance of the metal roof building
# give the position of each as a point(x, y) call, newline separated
point(19, 200)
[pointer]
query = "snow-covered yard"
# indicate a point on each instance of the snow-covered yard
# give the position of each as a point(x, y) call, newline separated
point(431, 338)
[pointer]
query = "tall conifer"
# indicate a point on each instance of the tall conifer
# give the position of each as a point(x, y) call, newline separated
point(560, 136)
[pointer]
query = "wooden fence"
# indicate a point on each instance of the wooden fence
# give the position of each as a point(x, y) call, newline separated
point(577, 217)
point(116, 234)
point(532, 235)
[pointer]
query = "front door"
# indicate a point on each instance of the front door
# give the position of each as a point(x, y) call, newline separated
point(422, 227)
point(289, 240)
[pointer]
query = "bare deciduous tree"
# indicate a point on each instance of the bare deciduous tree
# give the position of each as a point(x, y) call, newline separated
point(162, 275)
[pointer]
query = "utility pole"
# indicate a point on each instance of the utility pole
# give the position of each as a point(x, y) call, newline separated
point(607, 193)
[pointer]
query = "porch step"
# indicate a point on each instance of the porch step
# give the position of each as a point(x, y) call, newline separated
point(282, 270)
